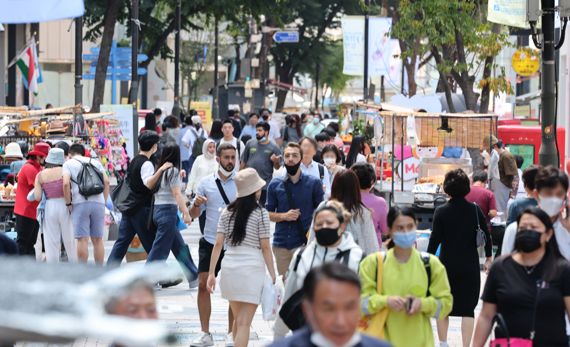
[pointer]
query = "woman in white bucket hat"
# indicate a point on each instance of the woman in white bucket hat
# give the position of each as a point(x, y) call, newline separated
point(244, 228)
point(56, 222)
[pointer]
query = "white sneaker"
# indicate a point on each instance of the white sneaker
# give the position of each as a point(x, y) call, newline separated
point(204, 340)
point(229, 340)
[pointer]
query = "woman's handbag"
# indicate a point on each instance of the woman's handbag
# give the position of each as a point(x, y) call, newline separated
point(480, 238)
point(373, 325)
point(509, 341)
point(123, 197)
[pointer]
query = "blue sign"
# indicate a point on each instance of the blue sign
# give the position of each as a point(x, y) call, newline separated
point(286, 37)
point(119, 68)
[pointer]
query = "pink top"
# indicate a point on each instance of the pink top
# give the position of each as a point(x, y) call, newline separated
point(379, 209)
point(53, 189)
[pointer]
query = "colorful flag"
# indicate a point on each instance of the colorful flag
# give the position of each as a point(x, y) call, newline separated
point(28, 64)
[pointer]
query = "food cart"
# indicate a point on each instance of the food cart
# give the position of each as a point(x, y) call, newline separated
point(414, 151)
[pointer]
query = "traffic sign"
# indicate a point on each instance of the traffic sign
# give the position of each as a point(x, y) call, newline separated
point(286, 37)
point(526, 61)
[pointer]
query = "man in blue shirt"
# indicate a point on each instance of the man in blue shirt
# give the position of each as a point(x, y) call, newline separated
point(213, 194)
point(293, 217)
point(520, 204)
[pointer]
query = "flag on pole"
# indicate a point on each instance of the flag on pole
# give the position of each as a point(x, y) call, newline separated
point(27, 62)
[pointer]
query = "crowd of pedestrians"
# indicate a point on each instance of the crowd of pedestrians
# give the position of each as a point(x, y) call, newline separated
point(349, 261)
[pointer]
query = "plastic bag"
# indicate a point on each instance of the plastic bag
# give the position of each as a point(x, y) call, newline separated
point(271, 298)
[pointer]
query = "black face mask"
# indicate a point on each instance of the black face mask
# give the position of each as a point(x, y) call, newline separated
point(527, 240)
point(327, 236)
point(292, 169)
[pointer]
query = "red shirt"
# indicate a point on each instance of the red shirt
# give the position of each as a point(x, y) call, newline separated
point(26, 180)
point(484, 198)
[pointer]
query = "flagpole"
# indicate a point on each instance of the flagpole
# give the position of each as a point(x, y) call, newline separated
point(22, 52)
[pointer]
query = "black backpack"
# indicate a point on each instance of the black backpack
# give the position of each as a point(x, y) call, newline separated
point(198, 143)
point(89, 180)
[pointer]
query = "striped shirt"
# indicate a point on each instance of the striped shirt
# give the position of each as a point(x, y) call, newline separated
point(257, 227)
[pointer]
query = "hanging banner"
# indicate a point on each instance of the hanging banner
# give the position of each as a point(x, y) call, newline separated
point(30, 11)
point(508, 12)
point(353, 44)
point(379, 46)
point(124, 114)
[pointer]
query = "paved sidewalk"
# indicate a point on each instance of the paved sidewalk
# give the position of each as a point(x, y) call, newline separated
point(178, 309)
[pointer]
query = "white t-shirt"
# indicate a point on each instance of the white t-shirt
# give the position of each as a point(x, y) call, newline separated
point(72, 168)
point(147, 171)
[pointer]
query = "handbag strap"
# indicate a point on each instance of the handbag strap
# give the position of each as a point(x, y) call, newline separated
point(477, 215)
point(539, 286)
point(292, 206)
point(222, 191)
point(380, 259)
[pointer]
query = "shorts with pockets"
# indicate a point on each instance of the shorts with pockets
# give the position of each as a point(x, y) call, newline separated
point(205, 253)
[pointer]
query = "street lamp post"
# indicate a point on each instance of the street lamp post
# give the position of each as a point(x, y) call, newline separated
point(216, 67)
point(133, 95)
point(78, 60)
point(366, 33)
point(176, 106)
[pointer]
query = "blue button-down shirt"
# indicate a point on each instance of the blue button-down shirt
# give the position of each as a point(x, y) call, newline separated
point(215, 204)
point(307, 194)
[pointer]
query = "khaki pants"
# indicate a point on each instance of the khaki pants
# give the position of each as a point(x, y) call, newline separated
point(283, 258)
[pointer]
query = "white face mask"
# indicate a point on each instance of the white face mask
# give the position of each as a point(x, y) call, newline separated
point(329, 161)
point(224, 171)
point(551, 204)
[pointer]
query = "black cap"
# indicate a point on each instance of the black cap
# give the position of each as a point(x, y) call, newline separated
point(147, 139)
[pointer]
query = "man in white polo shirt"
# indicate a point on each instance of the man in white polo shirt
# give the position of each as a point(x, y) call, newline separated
point(311, 167)
point(213, 194)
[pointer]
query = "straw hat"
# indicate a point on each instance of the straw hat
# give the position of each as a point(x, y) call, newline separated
point(248, 182)
point(55, 156)
point(13, 151)
point(492, 139)
point(57, 126)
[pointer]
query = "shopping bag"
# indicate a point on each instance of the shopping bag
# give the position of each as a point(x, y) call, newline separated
point(510, 341)
point(373, 325)
point(271, 298)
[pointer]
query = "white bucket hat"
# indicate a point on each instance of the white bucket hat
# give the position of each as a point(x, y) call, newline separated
point(13, 151)
point(55, 156)
point(248, 182)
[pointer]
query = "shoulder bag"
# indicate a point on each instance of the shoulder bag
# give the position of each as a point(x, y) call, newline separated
point(373, 325)
point(516, 341)
point(480, 238)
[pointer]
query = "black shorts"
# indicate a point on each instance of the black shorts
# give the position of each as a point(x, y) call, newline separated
point(205, 253)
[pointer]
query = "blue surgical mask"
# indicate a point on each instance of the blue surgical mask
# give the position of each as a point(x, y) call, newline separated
point(404, 239)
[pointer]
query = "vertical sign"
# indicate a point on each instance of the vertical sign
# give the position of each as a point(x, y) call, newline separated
point(379, 46)
point(353, 44)
point(124, 115)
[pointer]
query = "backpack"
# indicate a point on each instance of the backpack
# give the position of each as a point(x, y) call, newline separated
point(89, 180)
point(198, 143)
point(321, 171)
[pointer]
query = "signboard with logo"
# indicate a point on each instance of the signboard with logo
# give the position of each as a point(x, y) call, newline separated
point(204, 109)
point(526, 62)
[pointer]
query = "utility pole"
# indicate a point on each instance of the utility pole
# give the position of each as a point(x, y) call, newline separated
point(78, 60)
point(366, 33)
point(176, 106)
point(216, 67)
point(133, 96)
point(317, 82)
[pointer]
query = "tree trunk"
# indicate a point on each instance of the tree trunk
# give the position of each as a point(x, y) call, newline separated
point(111, 14)
point(411, 71)
point(443, 80)
point(487, 70)
point(285, 76)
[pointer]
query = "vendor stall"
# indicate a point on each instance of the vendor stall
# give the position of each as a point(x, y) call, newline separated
point(414, 151)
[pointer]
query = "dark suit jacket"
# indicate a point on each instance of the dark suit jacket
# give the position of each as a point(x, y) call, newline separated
point(302, 338)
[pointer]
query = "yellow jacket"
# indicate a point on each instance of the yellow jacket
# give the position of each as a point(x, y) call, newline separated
point(407, 279)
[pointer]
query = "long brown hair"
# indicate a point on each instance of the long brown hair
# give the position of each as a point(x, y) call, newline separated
point(346, 189)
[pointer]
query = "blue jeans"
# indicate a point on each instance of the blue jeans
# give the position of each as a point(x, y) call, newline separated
point(168, 238)
point(131, 225)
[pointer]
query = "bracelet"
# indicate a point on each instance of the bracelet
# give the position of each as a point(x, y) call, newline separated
point(68, 204)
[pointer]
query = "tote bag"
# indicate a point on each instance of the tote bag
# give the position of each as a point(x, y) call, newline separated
point(373, 325)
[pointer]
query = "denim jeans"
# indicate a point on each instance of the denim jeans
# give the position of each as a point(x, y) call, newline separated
point(132, 225)
point(169, 238)
point(186, 166)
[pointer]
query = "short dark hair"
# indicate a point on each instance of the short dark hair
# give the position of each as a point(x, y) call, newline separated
point(334, 271)
point(170, 122)
point(456, 183)
point(157, 112)
point(77, 149)
point(228, 121)
point(313, 142)
point(520, 160)
point(147, 139)
point(529, 176)
point(224, 147)
point(334, 149)
point(365, 173)
point(252, 114)
point(188, 120)
point(396, 212)
point(334, 126)
point(322, 137)
point(480, 176)
point(265, 126)
point(330, 132)
point(294, 145)
point(550, 177)
point(63, 145)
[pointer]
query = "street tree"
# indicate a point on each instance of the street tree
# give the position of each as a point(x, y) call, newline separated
point(313, 18)
point(461, 42)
